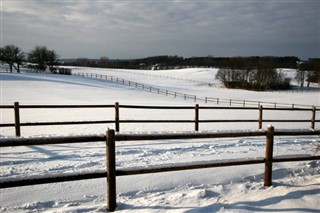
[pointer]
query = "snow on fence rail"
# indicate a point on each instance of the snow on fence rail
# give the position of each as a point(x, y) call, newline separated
point(185, 96)
point(111, 171)
point(117, 121)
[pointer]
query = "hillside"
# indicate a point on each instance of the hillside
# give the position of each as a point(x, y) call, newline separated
point(227, 189)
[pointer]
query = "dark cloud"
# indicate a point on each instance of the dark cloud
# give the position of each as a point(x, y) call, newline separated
point(131, 29)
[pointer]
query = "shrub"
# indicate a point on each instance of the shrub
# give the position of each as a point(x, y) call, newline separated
point(65, 71)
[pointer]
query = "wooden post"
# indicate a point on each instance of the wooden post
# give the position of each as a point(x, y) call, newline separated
point(260, 116)
point(17, 119)
point(196, 118)
point(111, 171)
point(269, 155)
point(117, 122)
point(313, 118)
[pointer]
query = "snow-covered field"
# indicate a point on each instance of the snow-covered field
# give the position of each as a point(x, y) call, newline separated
point(296, 186)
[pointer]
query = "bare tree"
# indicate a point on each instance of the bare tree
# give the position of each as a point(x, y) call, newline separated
point(243, 73)
point(13, 56)
point(103, 62)
point(52, 59)
point(308, 71)
point(43, 57)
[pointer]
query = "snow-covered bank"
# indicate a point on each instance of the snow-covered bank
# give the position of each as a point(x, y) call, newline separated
point(230, 189)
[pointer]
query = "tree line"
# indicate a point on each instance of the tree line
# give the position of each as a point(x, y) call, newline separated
point(253, 73)
point(171, 62)
point(262, 74)
point(249, 74)
point(309, 71)
point(39, 58)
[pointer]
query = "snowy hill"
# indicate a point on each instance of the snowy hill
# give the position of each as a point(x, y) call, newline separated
point(227, 189)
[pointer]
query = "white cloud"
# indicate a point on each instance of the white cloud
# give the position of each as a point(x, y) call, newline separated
point(178, 27)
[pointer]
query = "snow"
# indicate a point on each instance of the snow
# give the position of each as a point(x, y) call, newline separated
point(225, 189)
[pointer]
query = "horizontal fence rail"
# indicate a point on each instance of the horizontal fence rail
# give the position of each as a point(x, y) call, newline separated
point(111, 172)
point(18, 182)
point(117, 120)
point(185, 96)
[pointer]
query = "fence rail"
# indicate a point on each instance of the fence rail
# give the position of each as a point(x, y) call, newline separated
point(186, 96)
point(117, 121)
point(111, 171)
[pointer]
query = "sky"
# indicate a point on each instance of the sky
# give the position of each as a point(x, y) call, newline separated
point(126, 29)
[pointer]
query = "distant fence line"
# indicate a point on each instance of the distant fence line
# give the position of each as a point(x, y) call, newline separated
point(188, 97)
point(185, 96)
point(153, 75)
point(117, 121)
point(299, 90)
point(111, 171)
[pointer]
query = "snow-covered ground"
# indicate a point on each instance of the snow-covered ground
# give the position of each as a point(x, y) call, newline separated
point(296, 186)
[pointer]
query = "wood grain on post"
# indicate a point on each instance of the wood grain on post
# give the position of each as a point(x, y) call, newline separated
point(17, 119)
point(260, 116)
point(117, 119)
point(196, 118)
point(313, 118)
point(269, 156)
point(111, 170)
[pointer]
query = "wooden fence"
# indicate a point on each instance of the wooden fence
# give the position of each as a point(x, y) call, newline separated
point(151, 74)
point(117, 121)
point(111, 172)
point(186, 96)
point(189, 97)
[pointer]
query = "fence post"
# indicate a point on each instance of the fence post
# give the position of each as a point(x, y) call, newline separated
point(260, 116)
point(17, 119)
point(117, 119)
point(196, 118)
point(111, 171)
point(269, 154)
point(313, 118)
